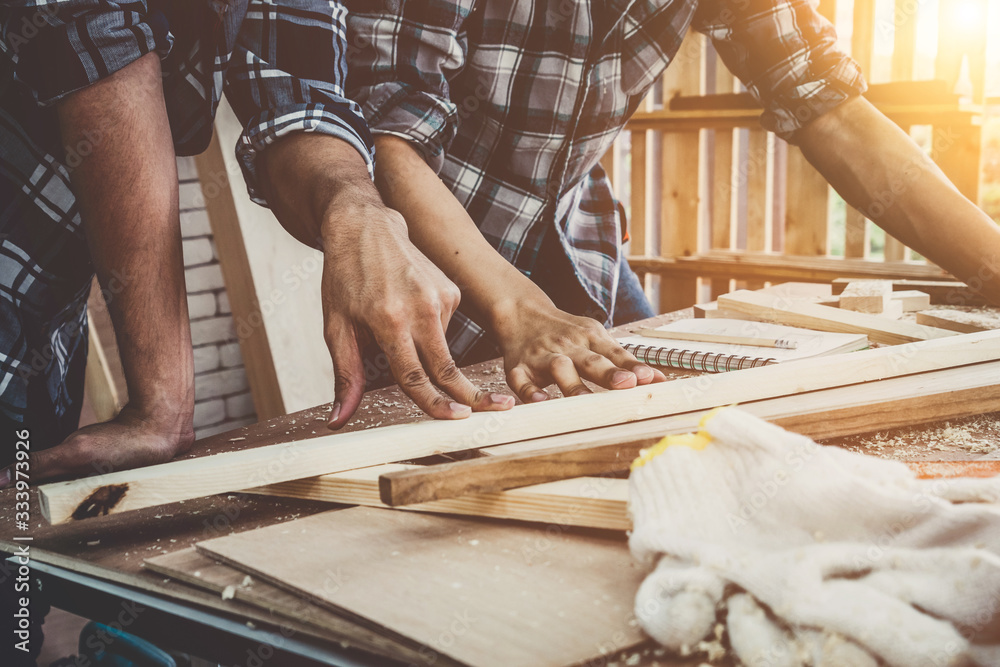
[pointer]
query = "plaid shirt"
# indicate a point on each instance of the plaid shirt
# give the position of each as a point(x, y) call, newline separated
point(514, 102)
point(281, 64)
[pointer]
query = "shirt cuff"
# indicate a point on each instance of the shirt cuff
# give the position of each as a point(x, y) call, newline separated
point(426, 121)
point(65, 57)
point(796, 107)
point(266, 128)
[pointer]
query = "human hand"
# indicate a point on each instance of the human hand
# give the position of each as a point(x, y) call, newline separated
point(543, 345)
point(133, 439)
point(375, 281)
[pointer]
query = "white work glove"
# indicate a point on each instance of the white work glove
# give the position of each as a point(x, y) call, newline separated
point(811, 554)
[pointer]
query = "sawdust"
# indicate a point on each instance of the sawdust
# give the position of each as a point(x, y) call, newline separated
point(978, 435)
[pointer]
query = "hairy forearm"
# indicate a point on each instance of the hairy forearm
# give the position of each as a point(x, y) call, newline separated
point(880, 171)
point(127, 193)
point(442, 229)
point(306, 176)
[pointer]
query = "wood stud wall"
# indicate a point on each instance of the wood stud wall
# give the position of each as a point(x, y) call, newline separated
point(751, 191)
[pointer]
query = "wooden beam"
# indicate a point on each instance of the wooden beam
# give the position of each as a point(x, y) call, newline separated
point(795, 313)
point(235, 265)
point(589, 502)
point(98, 382)
point(948, 292)
point(783, 268)
point(833, 413)
point(957, 320)
point(585, 502)
point(194, 478)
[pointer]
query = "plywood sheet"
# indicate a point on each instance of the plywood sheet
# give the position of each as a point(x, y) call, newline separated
point(486, 594)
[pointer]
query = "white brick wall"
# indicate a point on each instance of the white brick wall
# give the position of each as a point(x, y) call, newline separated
point(222, 397)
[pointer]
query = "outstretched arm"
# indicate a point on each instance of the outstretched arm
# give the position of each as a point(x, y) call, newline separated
point(541, 344)
point(127, 193)
point(880, 171)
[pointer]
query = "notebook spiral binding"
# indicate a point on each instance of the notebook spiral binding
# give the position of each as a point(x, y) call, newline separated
point(707, 362)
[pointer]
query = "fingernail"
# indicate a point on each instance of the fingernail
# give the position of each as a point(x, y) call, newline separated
point(502, 399)
point(621, 377)
point(334, 414)
point(643, 372)
point(539, 396)
point(459, 410)
point(4, 478)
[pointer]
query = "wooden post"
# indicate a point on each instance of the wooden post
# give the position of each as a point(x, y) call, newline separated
point(679, 210)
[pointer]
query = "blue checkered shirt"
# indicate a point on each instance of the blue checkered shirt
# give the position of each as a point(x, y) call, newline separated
point(281, 64)
point(514, 102)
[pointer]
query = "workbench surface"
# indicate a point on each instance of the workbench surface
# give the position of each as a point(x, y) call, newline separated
point(112, 548)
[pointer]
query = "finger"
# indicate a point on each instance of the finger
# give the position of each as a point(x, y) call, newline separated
point(446, 375)
point(520, 381)
point(600, 370)
point(564, 373)
point(348, 371)
point(622, 358)
point(413, 380)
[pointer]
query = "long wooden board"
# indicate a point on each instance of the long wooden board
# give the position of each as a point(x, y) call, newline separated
point(195, 569)
point(591, 502)
point(483, 593)
point(831, 413)
point(193, 478)
point(823, 318)
point(586, 502)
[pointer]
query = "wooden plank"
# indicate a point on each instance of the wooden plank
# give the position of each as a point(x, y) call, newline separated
point(783, 268)
point(255, 345)
point(680, 195)
point(590, 502)
point(723, 184)
point(901, 114)
point(194, 478)
point(833, 413)
point(856, 241)
point(867, 296)
point(272, 280)
point(950, 292)
point(637, 196)
point(613, 491)
point(912, 300)
point(200, 571)
point(806, 207)
point(99, 386)
point(822, 318)
point(484, 594)
point(957, 320)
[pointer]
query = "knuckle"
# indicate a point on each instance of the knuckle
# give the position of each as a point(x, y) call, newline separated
point(413, 378)
point(342, 380)
point(447, 372)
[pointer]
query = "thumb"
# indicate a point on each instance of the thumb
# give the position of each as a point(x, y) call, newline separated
point(348, 371)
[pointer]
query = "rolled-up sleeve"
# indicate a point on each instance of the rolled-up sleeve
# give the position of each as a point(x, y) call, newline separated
point(287, 74)
point(786, 54)
point(402, 57)
point(58, 47)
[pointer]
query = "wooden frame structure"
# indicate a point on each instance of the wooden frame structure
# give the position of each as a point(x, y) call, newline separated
point(762, 212)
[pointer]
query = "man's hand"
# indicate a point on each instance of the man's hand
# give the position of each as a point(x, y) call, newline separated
point(130, 440)
point(541, 344)
point(375, 282)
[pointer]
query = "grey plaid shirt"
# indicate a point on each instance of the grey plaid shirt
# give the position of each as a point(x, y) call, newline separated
point(281, 64)
point(514, 102)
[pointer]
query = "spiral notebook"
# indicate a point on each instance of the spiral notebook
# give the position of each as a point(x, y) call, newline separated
point(720, 357)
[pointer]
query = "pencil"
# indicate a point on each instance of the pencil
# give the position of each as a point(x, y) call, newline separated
point(716, 338)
